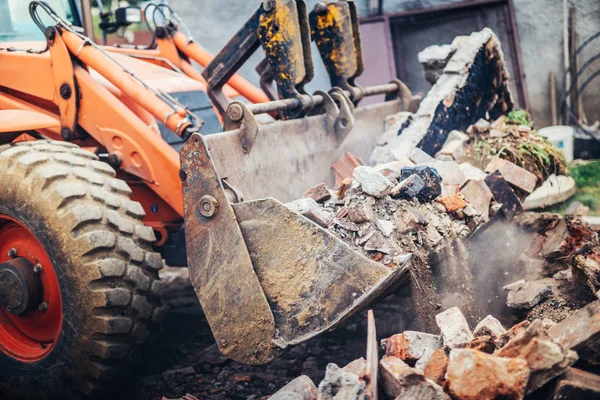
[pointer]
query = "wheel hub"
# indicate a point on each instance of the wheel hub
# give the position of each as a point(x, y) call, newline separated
point(21, 289)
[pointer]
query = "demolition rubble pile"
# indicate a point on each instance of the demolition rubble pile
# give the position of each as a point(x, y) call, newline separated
point(441, 174)
point(489, 362)
point(472, 85)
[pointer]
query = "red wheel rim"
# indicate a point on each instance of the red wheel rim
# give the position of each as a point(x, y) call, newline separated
point(31, 336)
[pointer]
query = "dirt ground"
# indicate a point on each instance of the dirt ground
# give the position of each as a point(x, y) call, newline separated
point(186, 360)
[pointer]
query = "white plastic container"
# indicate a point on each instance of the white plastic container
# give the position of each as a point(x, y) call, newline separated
point(562, 137)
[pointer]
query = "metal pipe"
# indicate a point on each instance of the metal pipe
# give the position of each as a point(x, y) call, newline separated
point(307, 101)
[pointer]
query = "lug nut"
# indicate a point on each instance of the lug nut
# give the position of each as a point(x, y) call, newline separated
point(43, 306)
point(37, 268)
point(12, 253)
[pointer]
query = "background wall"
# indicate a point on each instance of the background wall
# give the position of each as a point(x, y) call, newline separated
point(539, 22)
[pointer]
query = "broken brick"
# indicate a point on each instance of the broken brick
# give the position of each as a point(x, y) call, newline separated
point(489, 326)
point(411, 346)
point(515, 175)
point(474, 375)
point(357, 367)
point(545, 357)
point(483, 343)
point(401, 381)
point(437, 366)
point(479, 195)
point(301, 388)
point(503, 193)
point(319, 193)
point(513, 332)
point(452, 203)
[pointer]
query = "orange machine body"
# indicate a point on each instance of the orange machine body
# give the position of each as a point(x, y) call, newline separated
point(108, 103)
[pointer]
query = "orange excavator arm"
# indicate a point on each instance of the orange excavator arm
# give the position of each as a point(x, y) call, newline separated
point(192, 50)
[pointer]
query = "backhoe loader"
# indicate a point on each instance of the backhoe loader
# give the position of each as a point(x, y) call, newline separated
point(92, 198)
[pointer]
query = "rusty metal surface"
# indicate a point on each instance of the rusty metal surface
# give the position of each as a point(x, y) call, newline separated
point(335, 30)
point(229, 60)
point(312, 280)
point(290, 156)
point(220, 268)
point(285, 37)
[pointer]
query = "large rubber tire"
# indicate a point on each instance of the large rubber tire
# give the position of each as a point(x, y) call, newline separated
point(101, 251)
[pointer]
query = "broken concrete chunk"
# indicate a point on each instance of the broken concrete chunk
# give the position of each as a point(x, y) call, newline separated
point(470, 211)
point(481, 126)
point(357, 367)
point(434, 59)
point(437, 366)
point(515, 175)
point(378, 243)
point(418, 156)
point(346, 225)
point(431, 178)
point(397, 121)
point(319, 193)
point(577, 209)
point(529, 295)
point(546, 358)
point(515, 285)
point(311, 210)
point(474, 85)
point(455, 149)
point(489, 326)
point(409, 188)
point(581, 332)
point(411, 346)
point(471, 173)
point(454, 327)
point(452, 203)
point(554, 241)
point(473, 375)
point(301, 388)
point(385, 227)
point(359, 211)
point(479, 195)
point(449, 171)
point(457, 135)
point(576, 384)
point(339, 384)
point(503, 193)
point(401, 381)
point(372, 182)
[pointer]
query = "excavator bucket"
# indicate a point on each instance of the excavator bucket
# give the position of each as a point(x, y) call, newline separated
point(267, 277)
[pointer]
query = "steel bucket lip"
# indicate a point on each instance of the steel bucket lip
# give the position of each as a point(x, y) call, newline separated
point(256, 217)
